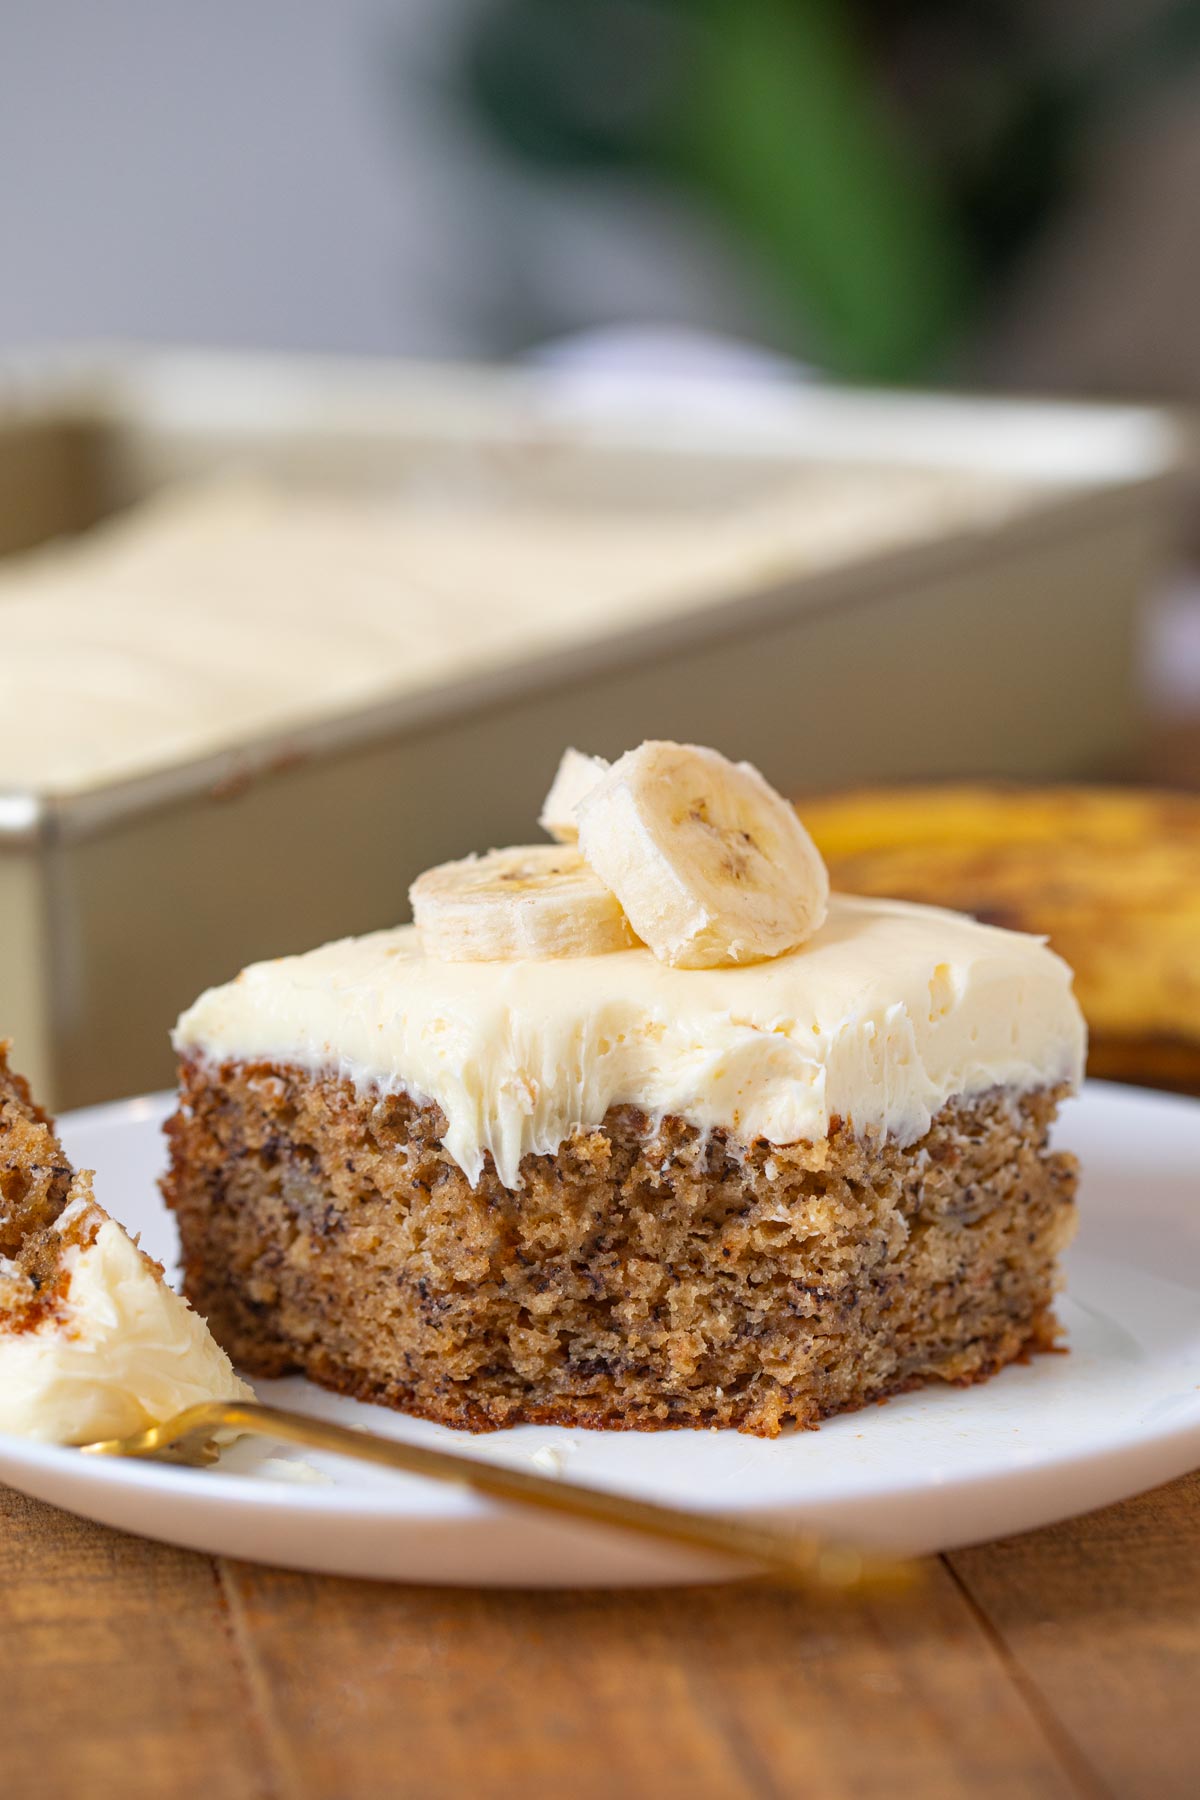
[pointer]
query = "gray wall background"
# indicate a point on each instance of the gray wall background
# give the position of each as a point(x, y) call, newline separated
point(235, 171)
point(289, 173)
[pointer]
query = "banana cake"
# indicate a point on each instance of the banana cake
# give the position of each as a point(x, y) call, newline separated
point(93, 1343)
point(639, 1129)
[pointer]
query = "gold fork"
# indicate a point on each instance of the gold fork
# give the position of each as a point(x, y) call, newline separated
point(797, 1559)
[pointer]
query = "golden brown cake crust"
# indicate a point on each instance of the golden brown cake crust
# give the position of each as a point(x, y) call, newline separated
point(645, 1277)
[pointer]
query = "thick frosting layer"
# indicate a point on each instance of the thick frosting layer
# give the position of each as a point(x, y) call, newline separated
point(884, 1015)
point(209, 617)
point(119, 1352)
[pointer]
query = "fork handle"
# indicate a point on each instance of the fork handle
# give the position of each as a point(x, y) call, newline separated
point(796, 1558)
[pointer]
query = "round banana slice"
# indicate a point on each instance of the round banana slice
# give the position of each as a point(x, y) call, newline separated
point(710, 864)
point(577, 775)
point(541, 900)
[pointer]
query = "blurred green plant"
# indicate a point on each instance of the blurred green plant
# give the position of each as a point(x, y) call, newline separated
point(886, 165)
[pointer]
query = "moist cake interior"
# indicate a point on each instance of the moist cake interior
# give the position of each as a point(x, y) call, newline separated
point(649, 1275)
point(36, 1184)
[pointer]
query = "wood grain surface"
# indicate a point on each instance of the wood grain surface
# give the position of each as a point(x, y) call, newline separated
point(1064, 1662)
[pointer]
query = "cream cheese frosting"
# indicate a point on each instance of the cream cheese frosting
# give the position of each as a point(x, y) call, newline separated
point(886, 1013)
point(119, 1350)
point(213, 615)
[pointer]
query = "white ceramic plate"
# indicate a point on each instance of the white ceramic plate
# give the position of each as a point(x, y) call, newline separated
point(925, 1472)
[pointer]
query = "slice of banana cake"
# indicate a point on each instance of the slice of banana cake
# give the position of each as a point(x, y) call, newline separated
point(636, 1130)
point(93, 1343)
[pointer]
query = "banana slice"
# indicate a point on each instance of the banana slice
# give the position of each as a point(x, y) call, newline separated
point(577, 775)
point(710, 864)
point(541, 900)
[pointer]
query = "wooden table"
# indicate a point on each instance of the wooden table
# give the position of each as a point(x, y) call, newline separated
point(1065, 1662)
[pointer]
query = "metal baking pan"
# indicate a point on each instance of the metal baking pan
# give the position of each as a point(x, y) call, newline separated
point(994, 639)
